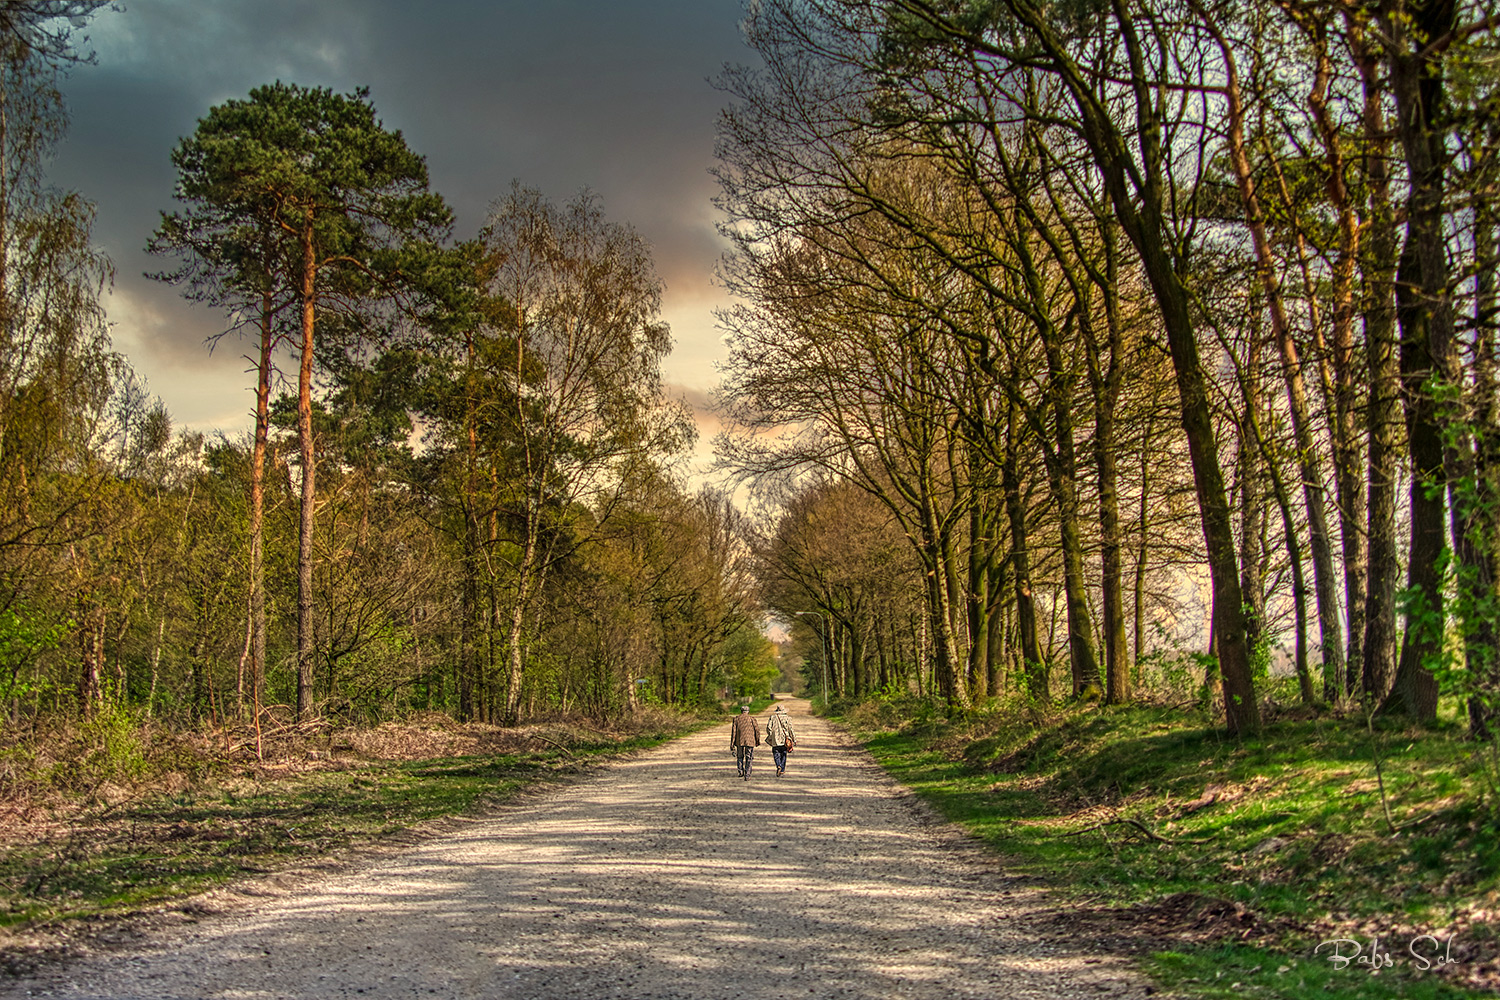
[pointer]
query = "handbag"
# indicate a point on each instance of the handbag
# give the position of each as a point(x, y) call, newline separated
point(790, 744)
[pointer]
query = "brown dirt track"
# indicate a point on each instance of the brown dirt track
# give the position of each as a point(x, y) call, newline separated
point(661, 876)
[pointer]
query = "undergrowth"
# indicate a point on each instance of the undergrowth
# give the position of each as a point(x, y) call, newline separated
point(110, 816)
point(1269, 845)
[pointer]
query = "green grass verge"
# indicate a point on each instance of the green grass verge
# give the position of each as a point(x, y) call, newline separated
point(147, 851)
point(1239, 972)
point(1129, 806)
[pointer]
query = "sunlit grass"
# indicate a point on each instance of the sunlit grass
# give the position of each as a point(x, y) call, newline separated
point(1234, 972)
point(111, 860)
point(1128, 806)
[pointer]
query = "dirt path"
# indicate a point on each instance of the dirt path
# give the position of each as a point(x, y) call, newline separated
point(663, 876)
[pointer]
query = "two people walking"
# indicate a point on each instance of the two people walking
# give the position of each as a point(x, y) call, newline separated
point(744, 737)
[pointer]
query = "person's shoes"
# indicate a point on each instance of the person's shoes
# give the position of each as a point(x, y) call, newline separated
point(779, 770)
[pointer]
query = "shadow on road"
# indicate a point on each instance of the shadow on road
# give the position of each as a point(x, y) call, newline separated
point(662, 876)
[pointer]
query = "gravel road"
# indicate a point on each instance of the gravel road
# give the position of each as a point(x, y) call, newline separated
point(661, 876)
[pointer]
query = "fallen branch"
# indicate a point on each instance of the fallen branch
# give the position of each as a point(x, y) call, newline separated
point(1213, 795)
point(559, 746)
point(1143, 828)
point(1413, 823)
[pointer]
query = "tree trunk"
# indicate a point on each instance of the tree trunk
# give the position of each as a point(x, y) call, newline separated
point(1062, 473)
point(468, 644)
point(949, 679)
point(1416, 71)
point(161, 631)
point(995, 637)
point(1020, 561)
point(1111, 559)
point(1138, 203)
point(258, 503)
point(308, 457)
point(1257, 455)
point(1106, 383)
point(1347, 453)
point(515, 663)
point(1485, 674)
point(1299, 586)
point(1252, 515)
point(1414, 690)
point(491, 671)
point(856, 660)
point(1143, 539)
point(882, 652)
point(239, 670)
point(91, 659)
point(1418, 84)
point(1383, 419)
point(1252, 496)
point(1308, 461)
point(1085, 662)
point(468, 631)
point(980, 545)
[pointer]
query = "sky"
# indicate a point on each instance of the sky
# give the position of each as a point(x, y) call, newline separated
point(613, 96)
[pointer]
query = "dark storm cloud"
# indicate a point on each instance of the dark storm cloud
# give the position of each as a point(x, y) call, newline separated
point(562, 95)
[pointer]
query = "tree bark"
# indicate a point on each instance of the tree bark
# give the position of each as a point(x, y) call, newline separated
point(1299, 585)
point(1414, 690)
point(308, 457)
point(1252, 461)
point(258, 504)
point(979, 600)
point(1106, 386)
point(1143, 539)
point(950, 679)
point(1383, 419)
point(1440, 444)
point(995, 637)
point(1020, 561)
point(91, 658)
point(1484, 699)
point(1136, 188)
point(515, 662)
point(1308, 461)
point(468, 643)
point(1347, 457)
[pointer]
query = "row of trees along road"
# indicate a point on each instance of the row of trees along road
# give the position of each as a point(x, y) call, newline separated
point(467, 505)
point(1051, 311)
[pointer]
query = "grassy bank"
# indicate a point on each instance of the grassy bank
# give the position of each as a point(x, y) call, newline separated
point(1229, 861)
point(164, 830)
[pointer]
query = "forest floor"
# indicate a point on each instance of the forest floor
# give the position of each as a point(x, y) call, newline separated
point(658, 875)
point(1326, 857)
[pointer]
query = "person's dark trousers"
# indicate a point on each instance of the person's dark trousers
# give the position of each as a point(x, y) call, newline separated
point(778, 754)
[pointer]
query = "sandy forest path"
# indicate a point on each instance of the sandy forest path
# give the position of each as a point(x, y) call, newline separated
point(661, 876)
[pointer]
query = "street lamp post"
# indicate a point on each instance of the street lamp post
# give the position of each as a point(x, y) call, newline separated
point(827, 647)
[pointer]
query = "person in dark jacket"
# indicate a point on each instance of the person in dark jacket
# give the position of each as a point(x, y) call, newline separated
point(744, 737)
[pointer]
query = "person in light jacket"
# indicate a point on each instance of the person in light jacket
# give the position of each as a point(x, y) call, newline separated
point(779, 735)
point(744, 737)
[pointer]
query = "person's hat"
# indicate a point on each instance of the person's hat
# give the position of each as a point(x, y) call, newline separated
point(744, 708)
point(779, 708)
